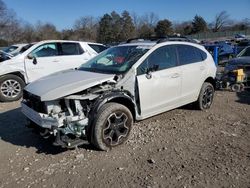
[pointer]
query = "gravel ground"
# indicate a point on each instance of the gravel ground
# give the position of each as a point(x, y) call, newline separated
point(179, 148)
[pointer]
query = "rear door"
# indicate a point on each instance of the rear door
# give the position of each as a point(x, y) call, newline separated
point(194, 71)
point(72, 55)
point(159, 81)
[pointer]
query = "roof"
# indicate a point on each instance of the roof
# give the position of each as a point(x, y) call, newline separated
point(46, 41)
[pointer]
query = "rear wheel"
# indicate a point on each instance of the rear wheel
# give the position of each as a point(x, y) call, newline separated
point(206, 96)
point(11, 88)
point(112, 126)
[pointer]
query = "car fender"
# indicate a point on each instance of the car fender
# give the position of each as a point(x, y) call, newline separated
point(110, 97)
point(12, 69)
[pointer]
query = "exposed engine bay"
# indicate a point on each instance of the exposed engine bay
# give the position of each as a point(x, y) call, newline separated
point(67, 118)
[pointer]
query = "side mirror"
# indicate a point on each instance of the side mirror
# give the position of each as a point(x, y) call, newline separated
point(34, 61)
point(148, 73)
point(30, 56)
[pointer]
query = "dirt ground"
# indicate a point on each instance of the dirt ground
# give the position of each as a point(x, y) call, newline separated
point(181, 148)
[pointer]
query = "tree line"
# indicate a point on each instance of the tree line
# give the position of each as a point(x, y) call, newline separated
point(111, 27)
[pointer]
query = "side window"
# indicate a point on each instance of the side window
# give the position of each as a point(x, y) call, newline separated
point(71, 49)
point(203, 54)
point(98, 48)
point(246, 52)
point(46, 50)
point(162, 58)
point(189, 54)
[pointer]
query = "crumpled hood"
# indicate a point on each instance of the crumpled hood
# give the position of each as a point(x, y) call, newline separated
point(65, 83)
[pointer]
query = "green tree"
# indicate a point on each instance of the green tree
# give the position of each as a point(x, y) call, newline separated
point(116, 26)
point(187, 30)
point(105, 29)
point(128, 28)
point(163, 28)
point(145, 31)
point(199, 24)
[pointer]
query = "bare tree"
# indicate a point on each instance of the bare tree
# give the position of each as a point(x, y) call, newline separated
point(136, 20)
point(86, 28)
point(28, 33)
point(150, 19)
point(46, 31)
point(8, 23)
point(221, 20)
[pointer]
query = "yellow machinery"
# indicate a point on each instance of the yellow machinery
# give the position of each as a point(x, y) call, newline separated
point(234, 80)
point(240, 76)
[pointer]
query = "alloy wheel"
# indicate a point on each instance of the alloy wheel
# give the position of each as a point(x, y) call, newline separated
point(10, 88)
point(115, 129)
point(207, 97)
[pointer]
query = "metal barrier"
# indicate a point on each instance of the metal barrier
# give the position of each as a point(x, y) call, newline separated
point(216, 55)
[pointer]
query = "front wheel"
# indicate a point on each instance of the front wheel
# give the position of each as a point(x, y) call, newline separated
point(206, 96)
point(11, 88)
point(112, 126)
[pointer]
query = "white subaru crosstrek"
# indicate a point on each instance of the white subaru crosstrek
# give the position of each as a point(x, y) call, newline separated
point(100, 100)
point(42, 59)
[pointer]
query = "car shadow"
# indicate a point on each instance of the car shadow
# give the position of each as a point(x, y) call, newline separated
point(14, 131)
point(244, 97)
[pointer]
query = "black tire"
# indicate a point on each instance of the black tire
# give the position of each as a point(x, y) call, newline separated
point(237, 87)
point(112, 126)
point(206, 96)
point(16, 85)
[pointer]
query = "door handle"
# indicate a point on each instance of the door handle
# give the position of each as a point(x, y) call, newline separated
point(176, 75)
point(55, 60)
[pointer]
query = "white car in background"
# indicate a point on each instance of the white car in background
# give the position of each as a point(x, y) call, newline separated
point(13, 50)
point(41, 59)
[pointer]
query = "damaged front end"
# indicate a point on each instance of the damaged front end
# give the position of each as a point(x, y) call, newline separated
point(67, 118)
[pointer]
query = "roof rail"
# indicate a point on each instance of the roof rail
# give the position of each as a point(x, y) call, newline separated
point(140, 39)
point(162, 39)
point(176, 38)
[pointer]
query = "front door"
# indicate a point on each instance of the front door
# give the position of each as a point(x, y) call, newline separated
point(42, 61)
point(159, 81)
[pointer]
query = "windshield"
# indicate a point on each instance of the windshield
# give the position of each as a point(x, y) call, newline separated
point(115, 60)
point(10, 49)
point(245, 52)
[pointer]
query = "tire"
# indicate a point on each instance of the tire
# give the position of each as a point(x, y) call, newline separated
point(206, 96)
point(11, 88)
point(237, 87)
point(112, 126)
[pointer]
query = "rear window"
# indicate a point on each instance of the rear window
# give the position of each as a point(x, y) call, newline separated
point(71, 49)
point(190, 54)
point(98, 48)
